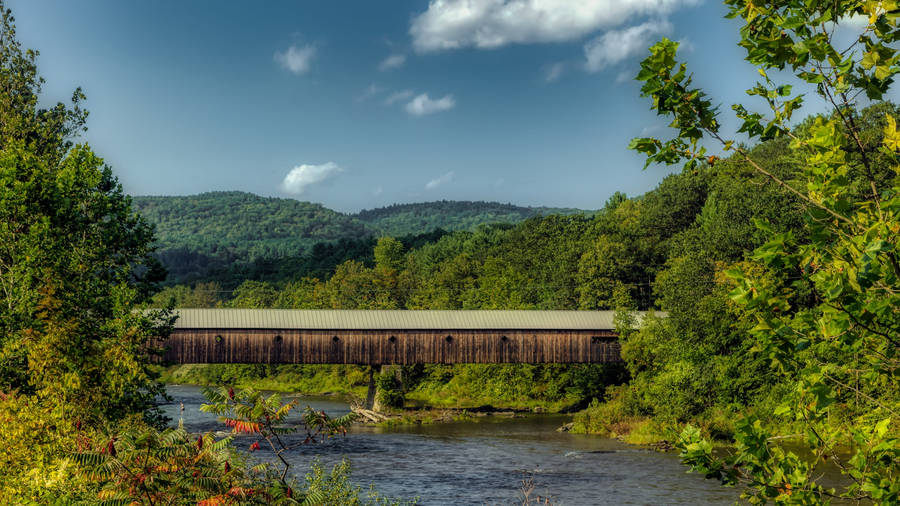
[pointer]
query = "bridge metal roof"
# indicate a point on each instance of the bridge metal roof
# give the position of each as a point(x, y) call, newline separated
point(326, 319)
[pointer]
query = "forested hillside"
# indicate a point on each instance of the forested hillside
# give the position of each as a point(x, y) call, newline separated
point(224, 236)
point(198, 234)
point(403, 219)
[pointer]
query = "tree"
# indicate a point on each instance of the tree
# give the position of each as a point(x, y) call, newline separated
point(355, 286)
point(254, 295)
point(830, 323)
point(388, 255)
point(74, 258)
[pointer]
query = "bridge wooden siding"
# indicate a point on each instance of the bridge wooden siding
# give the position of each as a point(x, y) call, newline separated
point(391, 337)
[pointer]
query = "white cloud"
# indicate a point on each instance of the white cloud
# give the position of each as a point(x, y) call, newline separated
point(303, 176)
point(296, 59)
point(392, 62)
point(398, 96)
point(857, 21)
point(487, 24)
point(378, 191)
point(554, 71)
point(615, 46)
point(372, 90)
point(434, 183)
point(625, 76)
point(423, 104)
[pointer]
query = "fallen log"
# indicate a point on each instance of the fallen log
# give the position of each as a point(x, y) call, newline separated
point(369, 415)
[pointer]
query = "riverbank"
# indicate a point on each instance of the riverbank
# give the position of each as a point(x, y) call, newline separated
point(398, 417)
point(472, 387)
point(451, 393)
point(614, 419)
point(345, 381)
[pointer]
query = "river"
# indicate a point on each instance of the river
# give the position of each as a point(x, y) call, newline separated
point(484, 461)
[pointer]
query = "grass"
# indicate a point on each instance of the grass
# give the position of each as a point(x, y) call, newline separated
point(348, 381)
point(449, 387)
point(456, 398)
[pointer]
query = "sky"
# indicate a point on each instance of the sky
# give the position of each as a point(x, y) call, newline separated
point(361, 104)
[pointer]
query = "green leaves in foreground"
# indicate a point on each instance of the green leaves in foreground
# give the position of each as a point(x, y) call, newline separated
point(832, 326)
point(669, 85)
point(164, 467)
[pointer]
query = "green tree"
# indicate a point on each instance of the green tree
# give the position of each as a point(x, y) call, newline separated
point(74, 258)
point(355, 286)
point(47, 133)
point(388, 254)
point(303, 294)
point(201, 295)
point(254, 295)
point(836, 348)
point(75, 267)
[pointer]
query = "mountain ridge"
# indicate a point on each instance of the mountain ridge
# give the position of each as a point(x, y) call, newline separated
point(219, 229)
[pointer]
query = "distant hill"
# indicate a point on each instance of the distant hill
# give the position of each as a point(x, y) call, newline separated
point(450, 215)
point(218, 231)
point(198, 233)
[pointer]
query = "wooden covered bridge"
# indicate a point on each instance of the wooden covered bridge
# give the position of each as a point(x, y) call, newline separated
point(388, 337)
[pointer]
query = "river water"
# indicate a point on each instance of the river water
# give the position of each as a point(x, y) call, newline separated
point(484, 461)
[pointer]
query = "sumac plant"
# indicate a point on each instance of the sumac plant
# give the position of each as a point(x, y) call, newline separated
point(168, 467)
point(831, 326)
point(249, 412)
point(176, 467)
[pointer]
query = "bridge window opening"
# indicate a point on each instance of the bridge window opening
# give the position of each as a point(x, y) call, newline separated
point(392, 339)
point(449, 339)
point(218, 338)
point(278, 338)
point(335, 339)
point(504, 338)
point(601, 339)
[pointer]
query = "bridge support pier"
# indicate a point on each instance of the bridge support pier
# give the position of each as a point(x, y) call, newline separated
point(372, 401)
point(371, 393)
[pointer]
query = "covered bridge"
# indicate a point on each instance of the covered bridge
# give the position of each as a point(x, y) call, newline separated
point(386, 337)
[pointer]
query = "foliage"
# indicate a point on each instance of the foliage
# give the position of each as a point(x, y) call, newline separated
point(212, 230)
point(610, 418)
point(823, 302)
point(547, 387)
point(349, 380)
point(35, 439)
point(236, 236)
point(201, 295)
point(74, 259)
point(208, 283)
point(390, 389)
point(165, 467)
point(334, 487)
point(249, 412)
point(145, 466)
point(404, 219)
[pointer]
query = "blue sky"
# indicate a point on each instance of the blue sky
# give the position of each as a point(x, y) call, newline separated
point(363, 104)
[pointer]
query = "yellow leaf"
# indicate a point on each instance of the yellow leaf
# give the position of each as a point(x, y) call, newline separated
point(891, 136)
